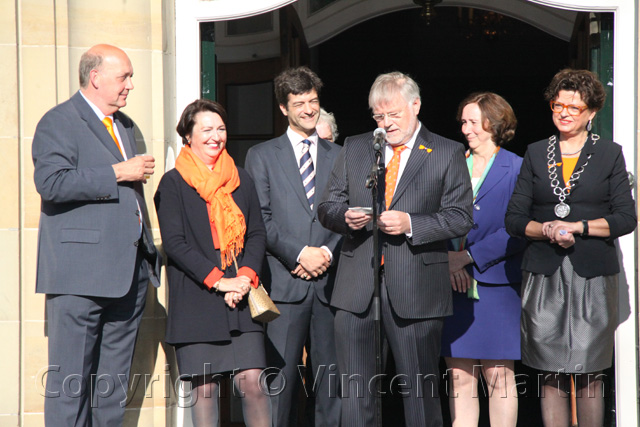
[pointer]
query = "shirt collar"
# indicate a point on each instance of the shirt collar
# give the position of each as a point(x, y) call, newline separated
point(95, 109)
point(296, 138)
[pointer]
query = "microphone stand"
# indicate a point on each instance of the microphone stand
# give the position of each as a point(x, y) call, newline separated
point(372, 183)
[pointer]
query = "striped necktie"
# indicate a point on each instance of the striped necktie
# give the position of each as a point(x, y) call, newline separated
point(307, 172)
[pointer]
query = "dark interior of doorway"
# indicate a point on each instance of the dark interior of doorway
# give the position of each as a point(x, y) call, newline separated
point(449, 58)
point(459, 52)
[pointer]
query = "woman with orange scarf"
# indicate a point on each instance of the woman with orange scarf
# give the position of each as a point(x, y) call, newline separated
point(209, 215)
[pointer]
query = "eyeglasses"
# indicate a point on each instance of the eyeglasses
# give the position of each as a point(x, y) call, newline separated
point(573, 110)
point(392, 116)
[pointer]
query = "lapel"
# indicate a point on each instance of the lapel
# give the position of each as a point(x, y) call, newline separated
point(417, 159)
point(95, 125)
point(127, 143)
point(497, 172)
point(323, 169)
point(287, 159)
point(589, 148)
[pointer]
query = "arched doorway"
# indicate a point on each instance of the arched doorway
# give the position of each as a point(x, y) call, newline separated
point(190, 13)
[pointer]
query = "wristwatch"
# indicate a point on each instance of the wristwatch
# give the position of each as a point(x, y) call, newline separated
point(470, 257)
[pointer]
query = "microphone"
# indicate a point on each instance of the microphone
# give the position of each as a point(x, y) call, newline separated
point(378, 138)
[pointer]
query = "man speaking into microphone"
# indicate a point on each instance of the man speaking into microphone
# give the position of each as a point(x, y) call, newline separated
point(425, 198)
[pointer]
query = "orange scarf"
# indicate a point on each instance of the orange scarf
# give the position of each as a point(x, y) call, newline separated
point(215, 186)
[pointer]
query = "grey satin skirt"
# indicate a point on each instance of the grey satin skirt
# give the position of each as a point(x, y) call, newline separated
point(568, 322)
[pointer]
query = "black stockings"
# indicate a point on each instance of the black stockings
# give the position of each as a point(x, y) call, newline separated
point(556, 406)
point(256, 407)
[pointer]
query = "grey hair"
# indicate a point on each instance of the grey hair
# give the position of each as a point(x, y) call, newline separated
point(386, 86)
point(88, 61)
point(329, 119)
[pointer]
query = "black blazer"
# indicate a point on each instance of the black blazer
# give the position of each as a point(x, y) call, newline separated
point(196, 313)
point(602, 191)
point(435, 190)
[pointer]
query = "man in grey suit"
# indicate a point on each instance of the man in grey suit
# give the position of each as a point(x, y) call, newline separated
point(425, 200)
point(288, 172)
point(95, 251)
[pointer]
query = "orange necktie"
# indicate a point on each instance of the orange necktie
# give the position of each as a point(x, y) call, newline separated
point(109, 125)
point(391, 176)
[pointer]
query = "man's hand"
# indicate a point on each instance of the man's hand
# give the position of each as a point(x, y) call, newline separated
point(460, 280)
point(314, 260)
point(134, 169)
point(301, 273)
point(357, 220)
point(394, 222)
point(458, 260)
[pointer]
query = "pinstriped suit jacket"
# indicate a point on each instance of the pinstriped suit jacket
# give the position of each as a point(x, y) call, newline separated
point(435, 190)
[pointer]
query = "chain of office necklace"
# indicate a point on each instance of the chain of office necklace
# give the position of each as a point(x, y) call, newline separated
point(562, 209)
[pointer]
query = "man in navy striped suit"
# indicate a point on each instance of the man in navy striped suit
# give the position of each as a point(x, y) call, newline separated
point(425, 198)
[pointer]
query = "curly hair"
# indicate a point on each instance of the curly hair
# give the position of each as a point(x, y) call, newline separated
point(295, 81)
point(584, 82)
point(498, 117)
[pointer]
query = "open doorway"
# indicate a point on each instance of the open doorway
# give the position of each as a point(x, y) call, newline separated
point(449, 85)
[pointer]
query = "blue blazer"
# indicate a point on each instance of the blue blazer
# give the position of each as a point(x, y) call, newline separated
point(497, 255)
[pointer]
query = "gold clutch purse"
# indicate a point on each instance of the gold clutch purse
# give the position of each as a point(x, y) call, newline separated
point(262, 307)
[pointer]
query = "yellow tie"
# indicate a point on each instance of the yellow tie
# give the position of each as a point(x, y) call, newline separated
point(109, 125)
point(392, 174)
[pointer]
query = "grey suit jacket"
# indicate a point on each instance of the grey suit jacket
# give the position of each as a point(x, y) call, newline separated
point(89, 223)
point(291, 224)
point(435, 190)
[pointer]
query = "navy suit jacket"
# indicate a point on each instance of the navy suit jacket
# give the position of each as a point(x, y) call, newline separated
point(497, 255)
point(290, 222)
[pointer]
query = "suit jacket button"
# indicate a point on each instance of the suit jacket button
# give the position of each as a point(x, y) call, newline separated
point(475, 226)
point(137, 212)
point(136, 243)
point(476, 207)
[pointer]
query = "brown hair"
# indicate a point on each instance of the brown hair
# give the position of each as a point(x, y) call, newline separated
point(295, 81)
point(498, 117)
point(584, 82)
point(188, 117)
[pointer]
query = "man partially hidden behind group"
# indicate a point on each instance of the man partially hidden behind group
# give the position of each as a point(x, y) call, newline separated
point(425, 200)
point(289, 172)
point(95, 250)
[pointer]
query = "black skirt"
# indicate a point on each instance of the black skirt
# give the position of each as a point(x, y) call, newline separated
point(244, 351)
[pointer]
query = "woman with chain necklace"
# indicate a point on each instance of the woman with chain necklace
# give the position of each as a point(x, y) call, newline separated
point(482, 338)
point(572, 200)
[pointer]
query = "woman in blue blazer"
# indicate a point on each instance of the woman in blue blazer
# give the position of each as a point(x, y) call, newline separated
point(483, 335)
